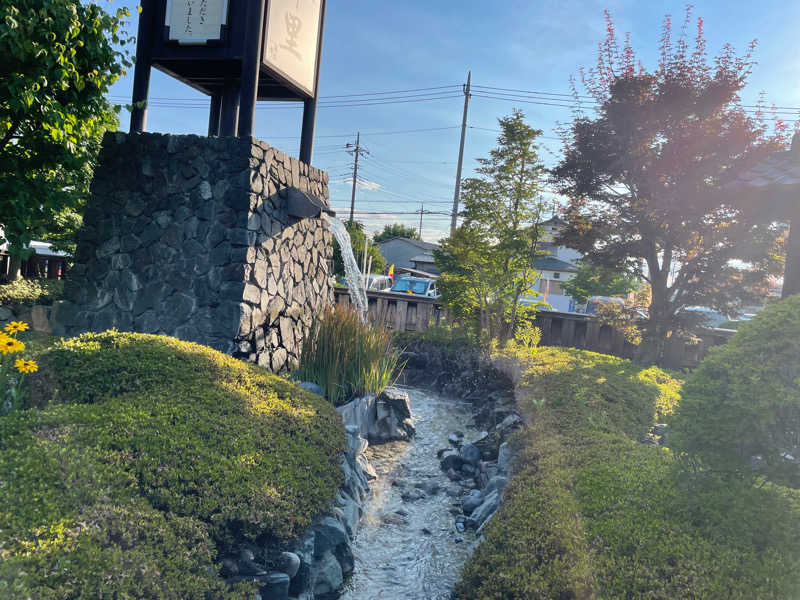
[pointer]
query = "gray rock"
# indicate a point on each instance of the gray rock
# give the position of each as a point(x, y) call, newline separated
point(485, 509)
point(276, 587)
point(329, 575)
point(451, 461)
point(469, 470)
point(329, 534)
point(289, 563)
point(456, 438)
point(470, 454)
point(471, 502)
point(351, 512)
point(504, 458)
point(312, 387)
point(498, 483)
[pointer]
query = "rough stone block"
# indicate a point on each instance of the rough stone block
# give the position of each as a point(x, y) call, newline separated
point(189, 236)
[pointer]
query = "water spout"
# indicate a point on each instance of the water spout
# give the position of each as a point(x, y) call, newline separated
point(355, 280)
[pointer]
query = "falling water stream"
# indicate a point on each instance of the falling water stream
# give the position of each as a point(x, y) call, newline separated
point(416, 553)
point(352, 273)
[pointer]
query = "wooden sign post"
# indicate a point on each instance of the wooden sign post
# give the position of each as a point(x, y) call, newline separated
point(237, 52)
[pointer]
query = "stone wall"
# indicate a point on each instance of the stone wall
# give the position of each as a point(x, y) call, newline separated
point(192, 237)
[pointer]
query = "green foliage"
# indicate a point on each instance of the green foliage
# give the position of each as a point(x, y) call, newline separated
point(394, 230)
point(622, 318)
point(595, 280)
point(26, 292)
point(59, 59)
point(487, 263)
point(451, 338)
point(742, 404)
point(528, 336)
point(592, 513)
point(142, 458)
point(358, 240)
point(645, 177)
point(346, 357)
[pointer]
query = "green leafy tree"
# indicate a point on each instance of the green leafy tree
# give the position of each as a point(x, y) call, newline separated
point(57, 61)
point(487, 264)
point(396, 230)
point(645, 177)
point(594, 280)
point(358, 240)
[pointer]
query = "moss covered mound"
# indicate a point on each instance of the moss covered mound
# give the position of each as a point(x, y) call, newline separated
point(593, 513)
point(142, 458)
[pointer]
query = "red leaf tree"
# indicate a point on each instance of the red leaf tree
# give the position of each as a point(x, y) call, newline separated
point(645, 175)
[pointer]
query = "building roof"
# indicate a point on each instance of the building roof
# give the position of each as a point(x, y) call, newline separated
point(418, 243)
point(425, 257)
point(551, 263)
point(778, 169)
point(774, 182)
point(40, 248)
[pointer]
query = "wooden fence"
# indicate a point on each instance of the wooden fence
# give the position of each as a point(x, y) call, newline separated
point(585, 331)
point(401, 312)
point(417, 313)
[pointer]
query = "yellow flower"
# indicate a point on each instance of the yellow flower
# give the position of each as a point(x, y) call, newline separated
point(9, 344)
point(16, 326)
point(26, 366)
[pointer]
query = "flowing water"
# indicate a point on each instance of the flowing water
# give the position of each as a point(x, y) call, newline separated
point(352, 273)
point(418, 553)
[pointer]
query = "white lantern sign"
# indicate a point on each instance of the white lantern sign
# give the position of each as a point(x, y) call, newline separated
point(291, 44)
point(196, 22)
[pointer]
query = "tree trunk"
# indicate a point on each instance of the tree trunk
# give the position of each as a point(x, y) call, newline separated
point(15, 268)
point(791, 275)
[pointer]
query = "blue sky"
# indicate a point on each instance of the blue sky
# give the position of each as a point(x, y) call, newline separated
point(378, 46)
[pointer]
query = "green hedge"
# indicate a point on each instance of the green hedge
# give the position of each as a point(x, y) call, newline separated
point(143, 458)
point(743, 401)
point(26, 292)
point(593, 513)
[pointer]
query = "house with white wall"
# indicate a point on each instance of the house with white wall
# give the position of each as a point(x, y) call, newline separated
point(558, 266)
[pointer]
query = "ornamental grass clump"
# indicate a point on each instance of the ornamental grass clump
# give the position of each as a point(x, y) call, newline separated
point(348, 358)
point(13, 368)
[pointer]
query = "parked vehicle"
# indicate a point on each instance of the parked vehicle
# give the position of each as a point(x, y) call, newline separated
point(594, 302)
point(418, 286)
point(379, 283)
point(708, 317)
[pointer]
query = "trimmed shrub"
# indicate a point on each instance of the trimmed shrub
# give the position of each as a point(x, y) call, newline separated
point(347, 358)
point(593, 513)
point(141, 458)
point(26, 292)
point(740, 413)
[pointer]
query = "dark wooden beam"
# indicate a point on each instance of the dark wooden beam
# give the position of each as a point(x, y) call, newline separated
point(310, 105)
point(214, 114)
point(141, 73)
point(251, 65)
point(230, 110)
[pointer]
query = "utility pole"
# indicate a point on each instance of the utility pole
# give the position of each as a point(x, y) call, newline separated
point(457, 193)
point(355, 150)
point(421, 212)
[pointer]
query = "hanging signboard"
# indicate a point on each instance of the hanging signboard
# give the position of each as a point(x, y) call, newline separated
point(291, 44)
point(196, 22)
